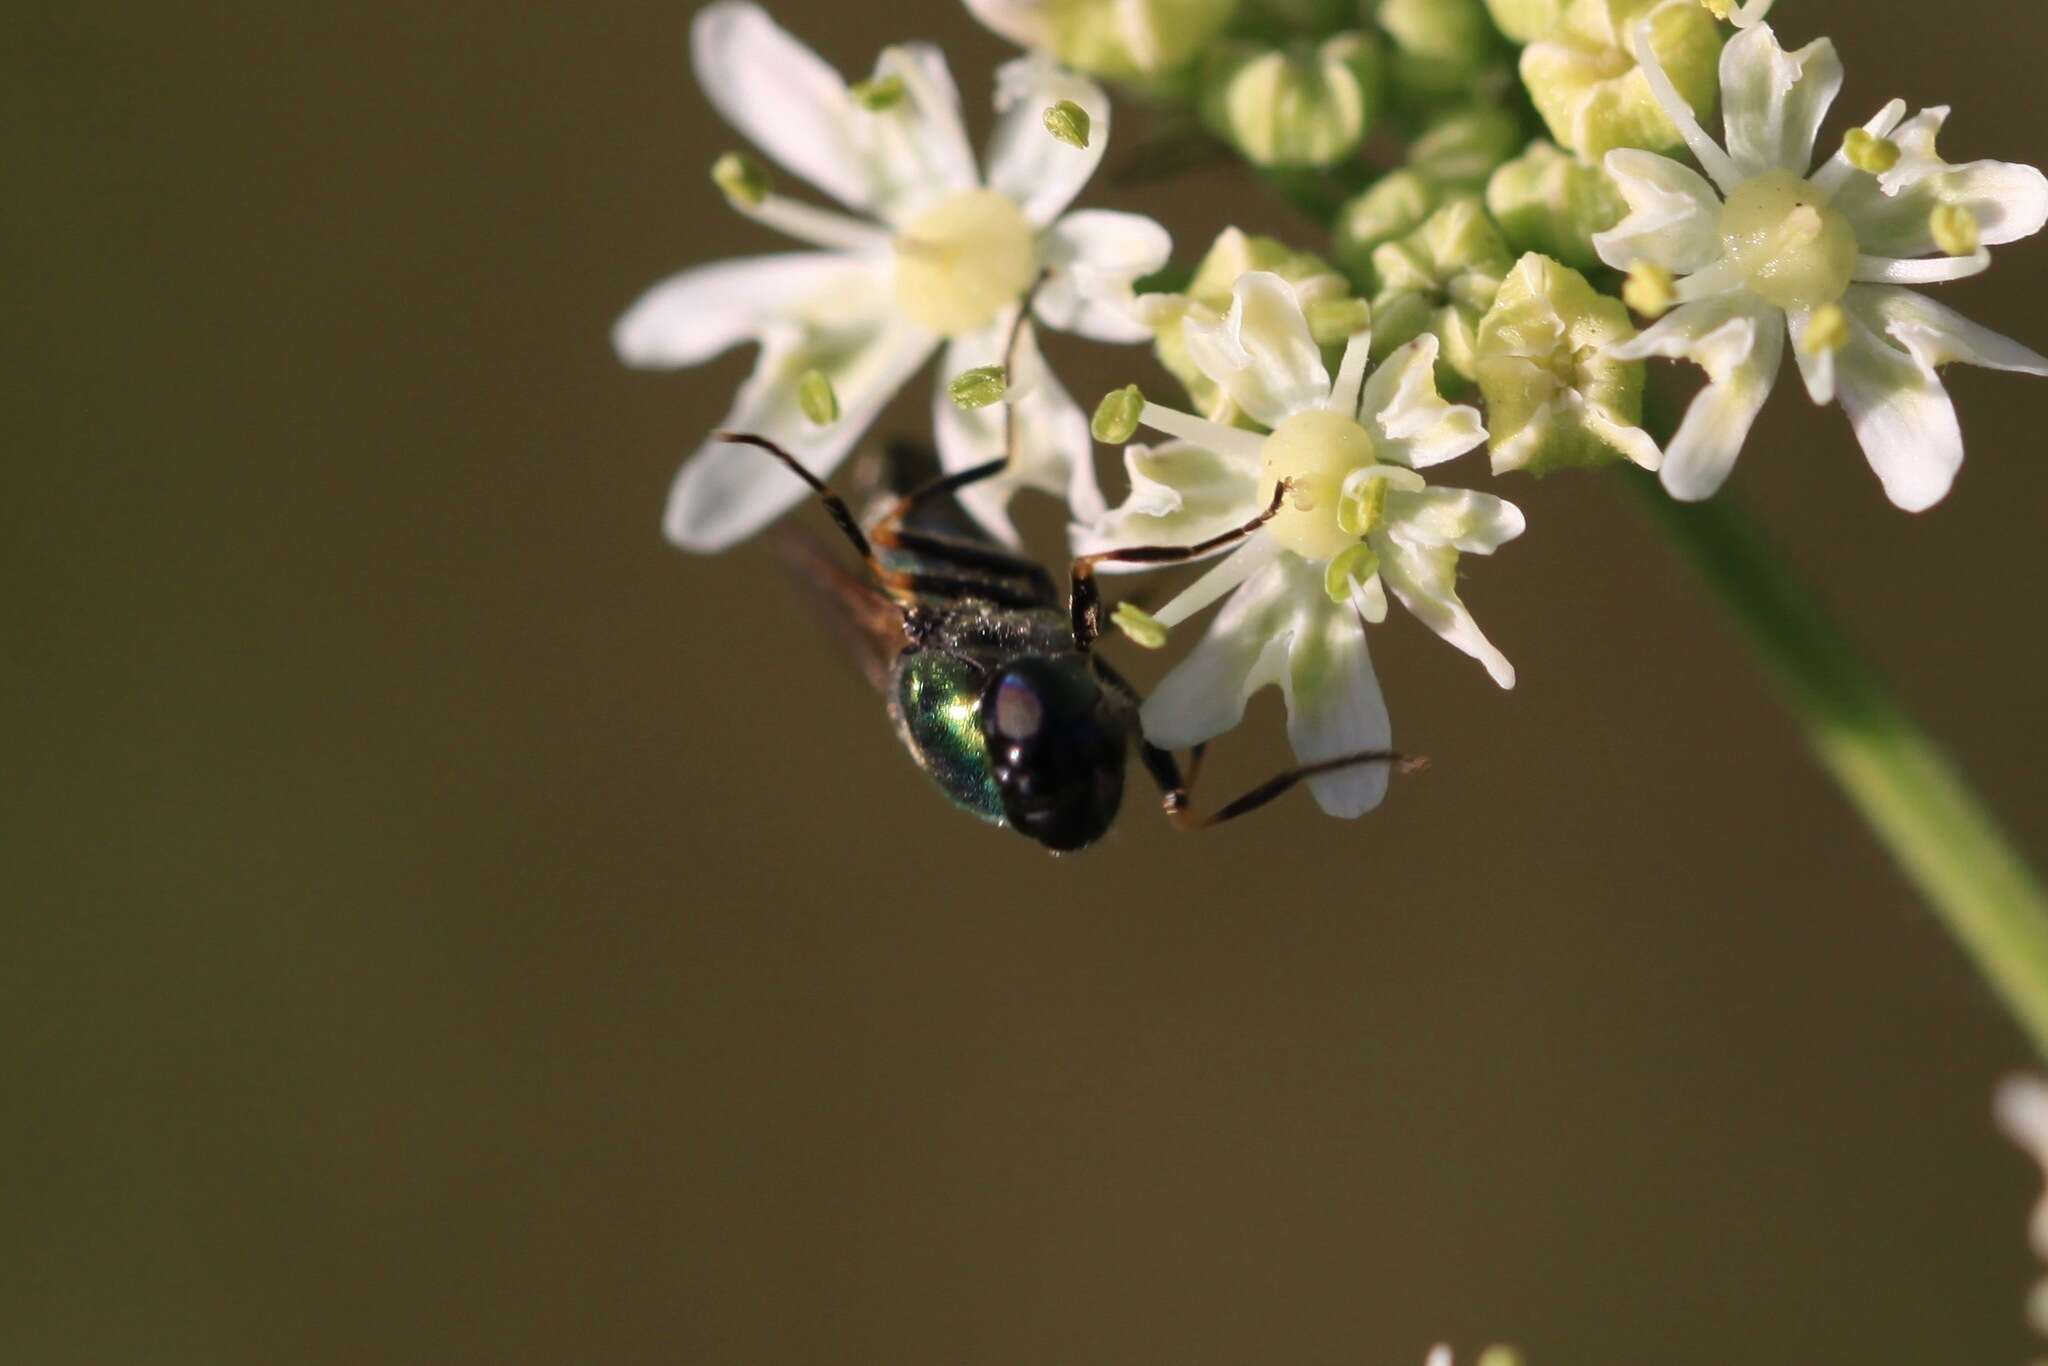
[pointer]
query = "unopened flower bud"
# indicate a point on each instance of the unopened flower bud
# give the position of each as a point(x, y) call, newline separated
point(1584, 79)
point(1554, 398)
point(1144, 629)
point(817, 399)
point(876, 96)
point(1120, 39)
point(1547, 201)
point(1460, 151)
point(978, 388)
point(1441, 278)
point(1524, 21)
point(1955, 229)
point(1332, 322)
point(1393, 207)
point(1867, 152)
point(1068, 122)
point(743, 180)
point(1440, 47)
point(1116, 417)
point(1298, 106)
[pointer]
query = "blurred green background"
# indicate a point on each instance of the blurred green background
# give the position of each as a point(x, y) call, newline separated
point(450, 925)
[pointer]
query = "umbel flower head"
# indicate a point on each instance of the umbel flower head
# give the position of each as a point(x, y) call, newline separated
point(1356, 521)
point(2021, 1108)
point(1765, 245)
point(939, 257)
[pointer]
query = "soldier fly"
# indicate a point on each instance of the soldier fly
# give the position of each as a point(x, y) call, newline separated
point(991, 680)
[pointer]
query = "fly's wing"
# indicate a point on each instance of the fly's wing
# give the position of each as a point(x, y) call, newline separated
point(866, 622)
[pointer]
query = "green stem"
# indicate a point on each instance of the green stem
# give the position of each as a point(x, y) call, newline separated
point(1914, 799)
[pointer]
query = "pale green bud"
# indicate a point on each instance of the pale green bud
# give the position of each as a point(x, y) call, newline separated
point(1144, 629)
point(743, 180)
point(1460, 151)
point(1325, 296)
point(1441, 278)
point(1554, 399)
point(817, 399)
point(1394, 207)
point(1116, 417)
point(1499, 1356)
point(1298, 106)
point(1305, 16)
point(1547, 201)
point(1582, 75)
point(1955, 229)
point(879, 95)
point(1120, 39)
point(1524, 21)
point(1440, 46)
point(1069, 122)
point(978, 388)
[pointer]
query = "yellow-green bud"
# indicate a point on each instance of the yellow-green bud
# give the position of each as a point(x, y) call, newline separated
point(816, 397)
point(1355, 565)
point(1503, 1356)
point(880, 94)
point(1868, 152)
point(1649, 290)
point(1141, 626)
point(1720, 9)
point(1116, 417)
point(1554, 398)
point(1827, 331)
point(1582, 74)
point(743, 180)
point(1461, 151)
point(979, 387)
point(1441, 278)
point(1440, 47)
point(1298, 106)
point(1547, 201)
point(1955, 229)
point(1069, 122)
point(1332, 322)
point(1524, 21)
point(1394, 207)
point(1120, 39)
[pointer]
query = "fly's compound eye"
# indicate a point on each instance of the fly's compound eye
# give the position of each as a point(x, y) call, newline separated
point(1057, 747)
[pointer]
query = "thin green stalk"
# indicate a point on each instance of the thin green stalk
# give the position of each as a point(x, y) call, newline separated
point(1914, 799)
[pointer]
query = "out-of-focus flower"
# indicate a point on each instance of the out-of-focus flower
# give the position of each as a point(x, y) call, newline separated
point(1308, 104)
point(937, 258)
point(2021, 1107)
point(1549, 201)
point(1555, 398)
point(1357, 521)
point(1439, 280)
point(1116, 39)
point(1769, 248)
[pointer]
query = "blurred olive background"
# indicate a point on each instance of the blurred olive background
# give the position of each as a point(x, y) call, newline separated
point(447, 924)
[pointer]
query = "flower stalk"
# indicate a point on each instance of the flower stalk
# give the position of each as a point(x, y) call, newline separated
point(1912, 796)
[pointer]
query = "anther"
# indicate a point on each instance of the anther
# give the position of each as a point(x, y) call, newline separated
point(878, 95)
point(1069, 122)
point(1145, 630)
point(817, 399)
point(743, 180)
point(1867, 152)
point(1116, 417)
point(978, 388)
point(1955, 229)
point(1827, 331)
point(1649, 290)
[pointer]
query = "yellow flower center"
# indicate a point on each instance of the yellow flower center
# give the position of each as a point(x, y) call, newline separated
point(963, 261)
point(1779, 231)
point(1314, 451)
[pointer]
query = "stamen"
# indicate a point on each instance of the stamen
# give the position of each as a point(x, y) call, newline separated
point(1234, 442)
point(1955, 229)
point(1356, 565)
point(1649, 290)
point(817, 399)
point(1827, 331)
point(1144, 629)
point(978, 388)
point(743, 180)
point(1069, 122)
point(1362, 508)
point(1742, 16)
point(1715, 162)
point(1117, 416)
point(1883, 270)
point(1868, 152)
point(878, 95)
point(1247, 560)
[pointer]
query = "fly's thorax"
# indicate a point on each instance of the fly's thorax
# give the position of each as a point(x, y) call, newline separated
point(1794, 250)
point(964, 260)
point(937, 705)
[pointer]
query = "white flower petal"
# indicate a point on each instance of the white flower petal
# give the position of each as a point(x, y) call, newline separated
point(1244, 649)
point(1933, 270)
point(1262, 353)
point(691, 317)
point(1892, 213)
point(1026, 162)
point(1027, 23)
point(786, 100)
point(917, 148)
point(1816, 365)
point(1740, 345)
point(1093, 257)
point(1903, 417)
point(1054, 453)
point(1773, 101)
point(1425, 579)
point(1674, 216)
point(726, 493)
point(1704, 149)
point(1415, 426)
point(1938, 335)
point(1181, 494)
point(1334, 703)
point(1459, 518)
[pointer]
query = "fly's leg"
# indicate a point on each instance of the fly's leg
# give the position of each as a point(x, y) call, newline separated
point(1085, 604)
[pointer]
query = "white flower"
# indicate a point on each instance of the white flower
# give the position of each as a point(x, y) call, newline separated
point(1822, 255)
point(939, 257)
point(2021, 1108)
point(1358, 522)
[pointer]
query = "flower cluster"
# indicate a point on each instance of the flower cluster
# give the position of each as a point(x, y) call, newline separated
point(1504, 288)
